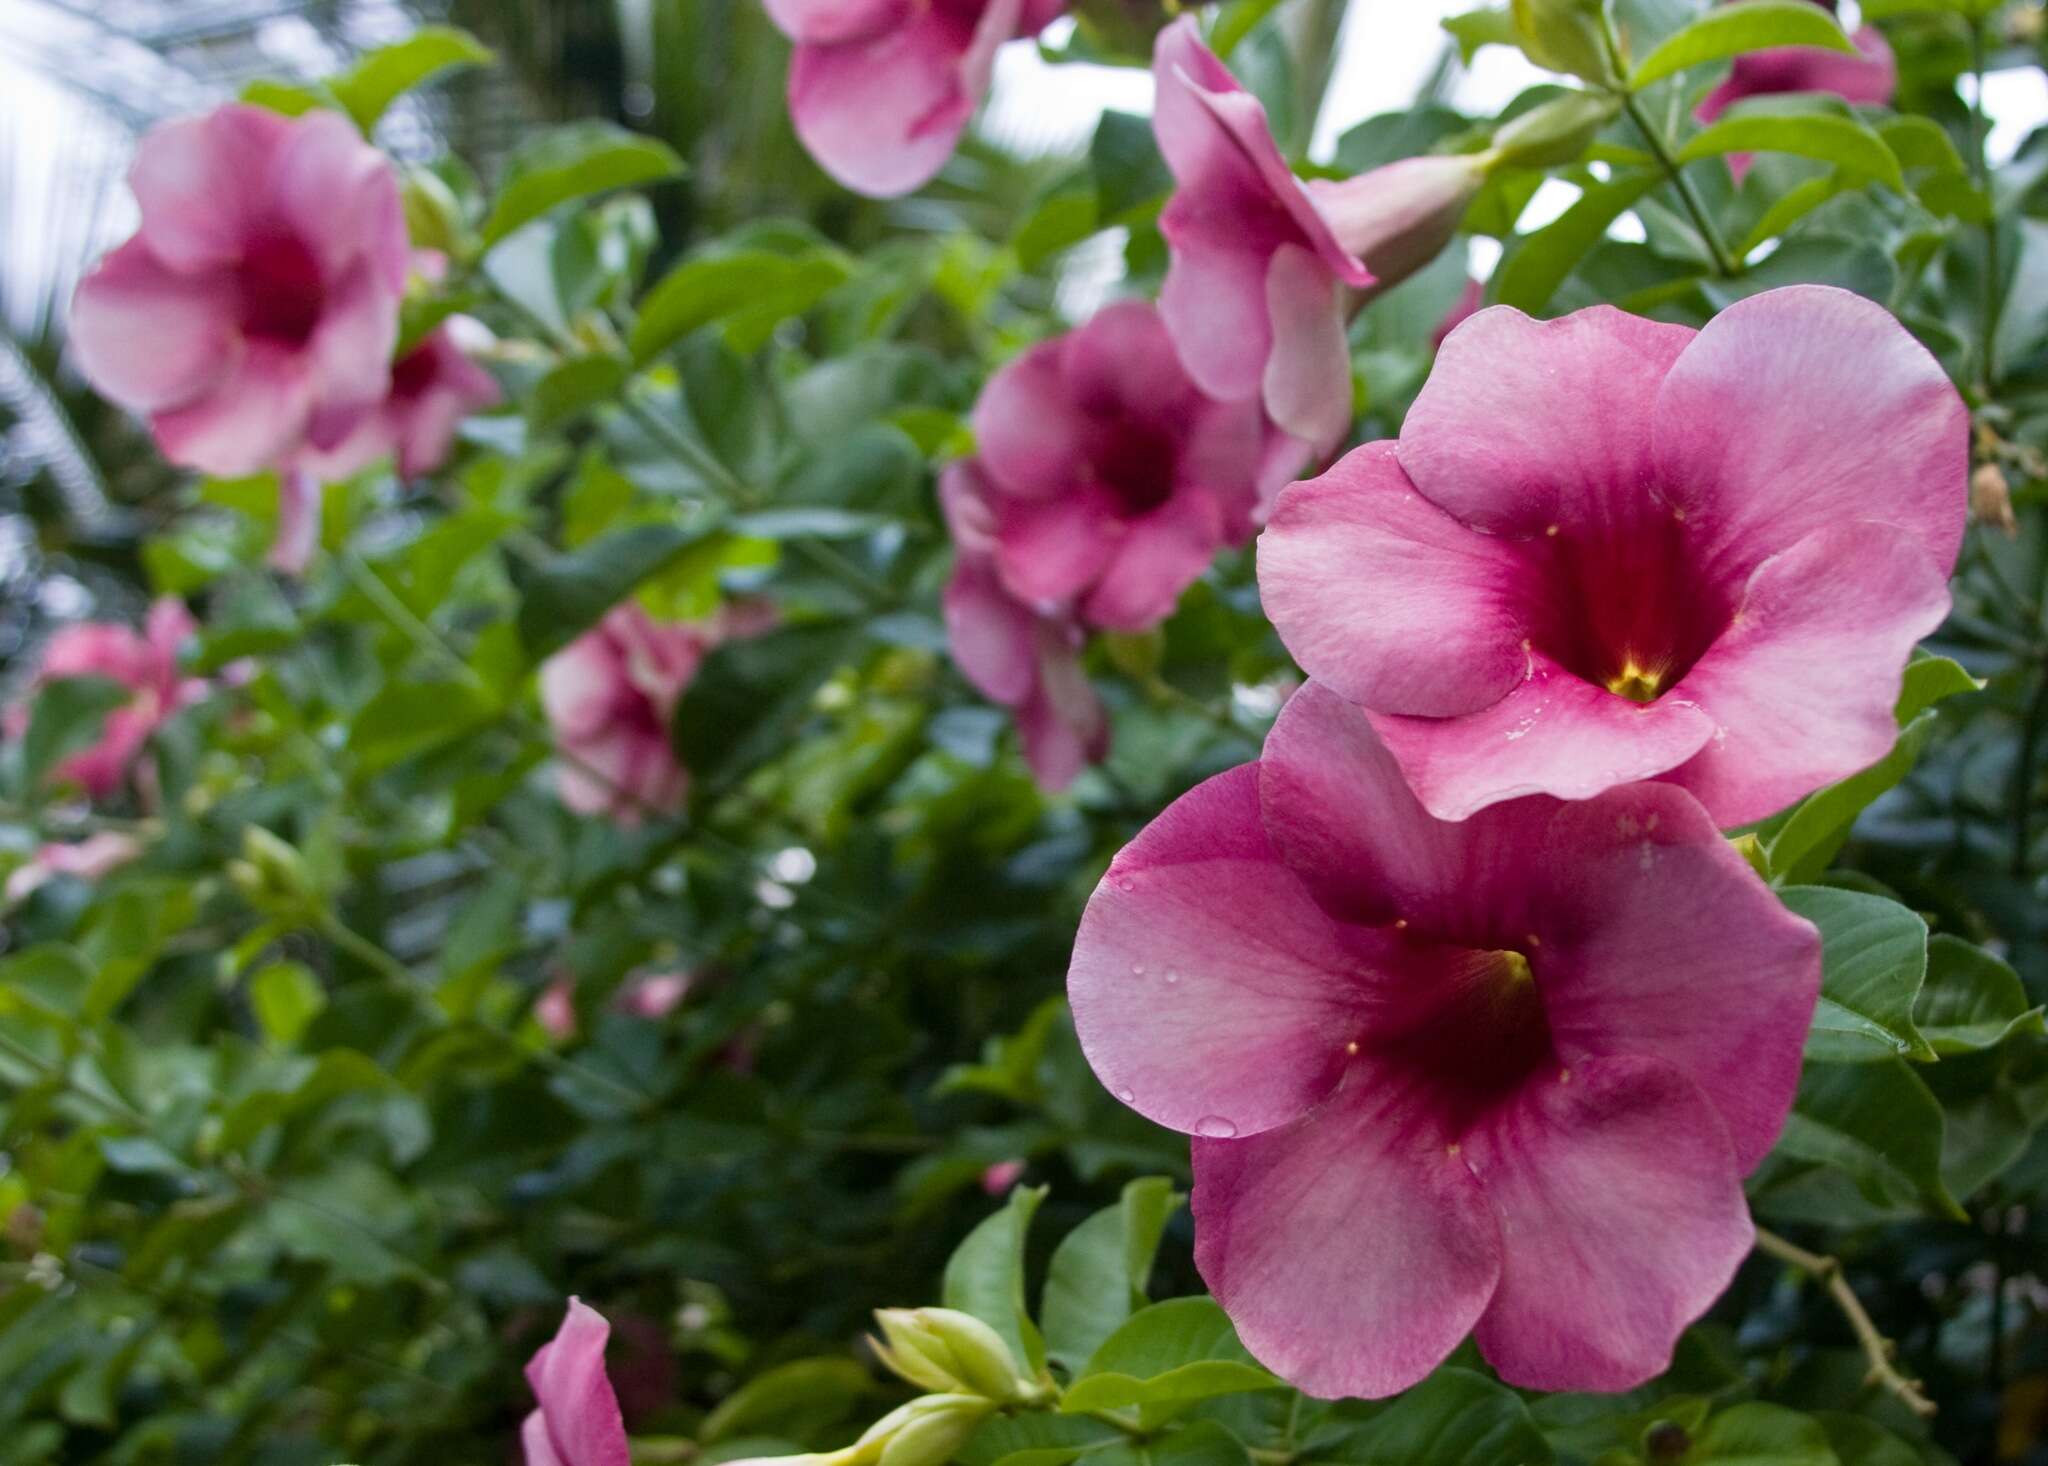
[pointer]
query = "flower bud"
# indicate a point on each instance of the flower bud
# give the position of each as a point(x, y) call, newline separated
point(1555, 133)
point(1568, 36)
point(1751, 849)
point(278, 870)
point(948, 1351)
point(1399, 217)
point(926, 1432)
point(1991, 500)
point(433, 215)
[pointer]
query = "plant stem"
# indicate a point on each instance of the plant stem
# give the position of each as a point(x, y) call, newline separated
point(1876, 1347)
point(1980, 133)
point(1724, 263)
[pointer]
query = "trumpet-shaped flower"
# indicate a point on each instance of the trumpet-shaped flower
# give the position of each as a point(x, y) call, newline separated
point(1606, 549)
point(1014, 654)
point(146, 664)
point(577, 1421)
point(880, 90)
point(1112, 479)
point(1501, 1076)
point(1266, 269)
point(255, 310)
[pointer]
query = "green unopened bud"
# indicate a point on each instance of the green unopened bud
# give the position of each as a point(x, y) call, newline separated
point(926, 1432)
point(271, 874)
point(949, 1351)
point(433, 215)
point(1751, 849)
point(1556, 133)
point(1568, 36)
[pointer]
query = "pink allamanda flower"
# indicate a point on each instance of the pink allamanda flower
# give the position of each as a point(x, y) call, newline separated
point(881, 90)
point(1606, 549)
point(1015, 654)
point(254, 313)
point(1111, 478)
point(577, 1421)
point(1503, 1076)
point(610, 697)
point(144, 663)
point(1266, 269)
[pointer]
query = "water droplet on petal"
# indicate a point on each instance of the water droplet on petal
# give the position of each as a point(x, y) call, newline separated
point(1172, 976)
point(1125, 1095)
point(1215, 1127)
point(1137, 969)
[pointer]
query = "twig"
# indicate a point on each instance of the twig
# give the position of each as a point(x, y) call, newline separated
point(1876, 1347)
point(1724, 263)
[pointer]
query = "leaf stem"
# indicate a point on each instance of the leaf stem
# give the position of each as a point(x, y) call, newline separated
point(1876, 1347)
point(1980, 134)
point(1724, 264)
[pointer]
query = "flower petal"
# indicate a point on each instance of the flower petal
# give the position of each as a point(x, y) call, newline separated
point(582, 1413)
point(1622, 1210)
point(1307, 381)
point(1209, 991)
point(1657, 938)
point(248, 422)
point(147, 337)
point(1351, 1249)
point(1553, 734)
point(1524, 423)
point(1804, 407)
point(1029, 435)
point(195, 180)
point(830, 22)
point(1802, 685)
point(1386, 599)
point(1050, 550)
point(1156, 559)
point(991, 634)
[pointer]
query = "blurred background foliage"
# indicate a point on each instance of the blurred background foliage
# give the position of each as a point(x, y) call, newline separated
point(293, 1173)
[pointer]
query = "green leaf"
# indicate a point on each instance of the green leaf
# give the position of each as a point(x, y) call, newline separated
point(1729, 30)
point(285, 99)
point(749, 695)
point(1235, 21)
point(66, 716)
point(794, 1400)
point(1128, 170)
point(1873, 960)
point(1921, 142)
point(1541, 261)
point(1493, 26)
point(408, 718)
point(339, 1072)
point(1857, 1442)
point(1840, 140)
point(1165, 1358)
point(574, 162)
point(574, 387)
point(1972, 1000)
point(1930, 680)
point(1761, 1435)
point(1040, 1438)
point(1099, 1270)
point(385, 75)
point(1817, 828)
point(1877, 1124)
point(568, 594)
point(1453, 1418)
point(758, 287)
point(285, 996)
point(985, 1276)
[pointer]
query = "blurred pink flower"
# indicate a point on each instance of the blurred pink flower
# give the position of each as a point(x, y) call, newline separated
point(578, 1422)
point(1266, 269)
point(1111, 480)
point(1503, 1076)
point(1024, 659)
point(1471, 300)
point(89, 859)
point(880, 90)
point(609, 696)
point(655, 994)
point(555, 1009)
point(146, 664)
point(1607, 549)
point(255, 310)
point(1000, 1177)
point(433, 387)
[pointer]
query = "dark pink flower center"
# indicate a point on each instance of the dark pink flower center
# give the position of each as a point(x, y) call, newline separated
point(282, 293)
point(413, 374)
point(1137, 465)
point(1623, 606)
point(1475, 1033)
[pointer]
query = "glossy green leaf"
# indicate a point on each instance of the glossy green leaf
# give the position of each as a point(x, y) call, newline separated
point(1729, 30)
point(573, 162)
point(1492, 26)
point(1803, 846)
point(1453, 1418)
point(1877, 1124)
point(369, 88)
point(1874, 958)
point(1930, 680)
point(1539, 263)
point(1164, 1358)
point(791, 1400)
point(985, 1276)
point(759, 286)
point(285, 996)
point(1971, 1000)
point(1099, 1270)
point(573, 388)
point(66, 717)
point(750, 694)
point(1757, 1434)
point(1842, 141)
point(408, 718)
point(570, 592)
